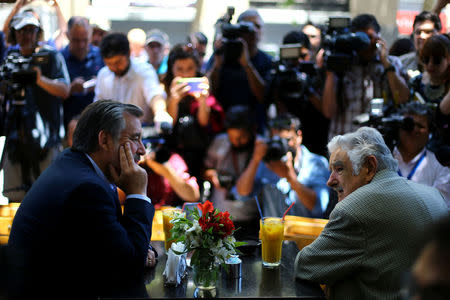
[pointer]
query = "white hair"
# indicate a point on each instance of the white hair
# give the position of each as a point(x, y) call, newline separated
point(362, 143)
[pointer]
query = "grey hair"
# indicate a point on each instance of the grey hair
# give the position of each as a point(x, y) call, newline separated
point(106, 115)
point(362, 143)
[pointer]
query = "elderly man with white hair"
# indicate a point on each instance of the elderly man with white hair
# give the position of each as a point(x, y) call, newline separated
point(374, 231)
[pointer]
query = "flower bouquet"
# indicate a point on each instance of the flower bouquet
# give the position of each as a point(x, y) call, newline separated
point(209, 234)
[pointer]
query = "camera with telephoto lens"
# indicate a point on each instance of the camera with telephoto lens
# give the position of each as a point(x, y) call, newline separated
point(341, 45)
point(277, 148)
point(160, 143)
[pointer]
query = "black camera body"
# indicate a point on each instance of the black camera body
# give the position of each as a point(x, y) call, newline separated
point(160, 143)
point(226, 181)
point(277, 147)
point(341, 45)
point(231, 45)
point(19, 69)
point(387, 121)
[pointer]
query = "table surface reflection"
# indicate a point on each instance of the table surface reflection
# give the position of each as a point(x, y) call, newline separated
point(256, 280)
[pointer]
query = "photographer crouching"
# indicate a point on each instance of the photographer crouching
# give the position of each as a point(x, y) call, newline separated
point(286, 172)
point(34, 80)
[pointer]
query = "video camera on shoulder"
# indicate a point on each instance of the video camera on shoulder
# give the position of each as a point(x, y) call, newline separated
point(159, 142)
point(341, 45)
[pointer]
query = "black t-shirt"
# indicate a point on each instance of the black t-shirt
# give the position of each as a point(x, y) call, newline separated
point(234, 87)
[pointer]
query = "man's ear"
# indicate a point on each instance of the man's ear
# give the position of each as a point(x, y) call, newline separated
point(104, 140)
point(371, 165)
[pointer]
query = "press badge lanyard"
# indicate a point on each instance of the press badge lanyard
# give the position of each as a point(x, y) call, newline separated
point(415, 166)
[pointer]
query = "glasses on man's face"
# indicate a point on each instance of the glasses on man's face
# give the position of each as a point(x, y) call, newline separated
point(434, 59)
point(28, 30)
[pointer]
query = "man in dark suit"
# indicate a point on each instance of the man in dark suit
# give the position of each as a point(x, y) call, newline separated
point(69, 237)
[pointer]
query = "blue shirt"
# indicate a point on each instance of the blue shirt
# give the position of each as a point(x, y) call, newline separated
point(87, 69)
point(312, 172)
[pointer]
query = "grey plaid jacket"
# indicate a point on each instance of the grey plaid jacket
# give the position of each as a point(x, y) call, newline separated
point(372, 238)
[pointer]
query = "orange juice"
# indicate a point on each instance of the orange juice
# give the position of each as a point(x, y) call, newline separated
point(272, 235)
point(168, 214)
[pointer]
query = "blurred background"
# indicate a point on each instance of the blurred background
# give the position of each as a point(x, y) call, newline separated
point(179, 18)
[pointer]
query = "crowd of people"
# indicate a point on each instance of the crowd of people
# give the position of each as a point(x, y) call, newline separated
point(164, 125)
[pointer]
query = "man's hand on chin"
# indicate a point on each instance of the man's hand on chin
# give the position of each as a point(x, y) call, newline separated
point(132, 178)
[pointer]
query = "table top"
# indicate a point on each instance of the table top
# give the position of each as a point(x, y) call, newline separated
point(256, 281)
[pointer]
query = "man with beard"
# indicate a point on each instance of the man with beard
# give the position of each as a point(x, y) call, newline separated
point(129, 81)
point(375, 231)
point(227, 157)
point(299, 176)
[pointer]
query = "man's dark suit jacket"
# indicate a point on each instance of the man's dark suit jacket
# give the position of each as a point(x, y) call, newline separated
point(69, 237)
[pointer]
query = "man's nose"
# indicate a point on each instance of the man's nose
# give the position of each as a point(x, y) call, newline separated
point(141, 148)
point(332, 180)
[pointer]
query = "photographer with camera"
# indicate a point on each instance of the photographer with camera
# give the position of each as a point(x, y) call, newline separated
point(371, 73)
point(226, 158)
point(415, 161)
point(239, 69)
point(168, 172)
point(35, 79)
point(295, 88)
point(287, 167)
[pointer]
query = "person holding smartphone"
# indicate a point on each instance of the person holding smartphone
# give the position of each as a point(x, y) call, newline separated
point(197, 116)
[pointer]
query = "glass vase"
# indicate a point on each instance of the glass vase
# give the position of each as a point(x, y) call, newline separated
point(205, 279)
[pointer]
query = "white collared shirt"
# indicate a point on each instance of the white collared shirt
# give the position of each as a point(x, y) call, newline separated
point(429, 171)
point(138, 86)
point(113, 186)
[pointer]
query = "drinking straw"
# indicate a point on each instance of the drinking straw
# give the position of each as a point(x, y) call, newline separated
point(290, 206)
point(259, 207)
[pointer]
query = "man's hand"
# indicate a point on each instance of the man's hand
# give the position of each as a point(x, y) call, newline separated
point(151, 260)
point(284, 169)
point(211, 176)
point(76, 86)
point(382, 48)
point(244, 59)
point(259, 150)
point(132, 178)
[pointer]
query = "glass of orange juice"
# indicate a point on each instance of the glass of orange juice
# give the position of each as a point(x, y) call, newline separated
point(272, 235)
point(168, 214)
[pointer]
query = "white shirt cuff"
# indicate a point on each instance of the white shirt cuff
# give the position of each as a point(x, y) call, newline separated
point(139, 196)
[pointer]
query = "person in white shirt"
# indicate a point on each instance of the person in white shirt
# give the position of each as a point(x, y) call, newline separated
point(415, 162)
point(128, 81)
